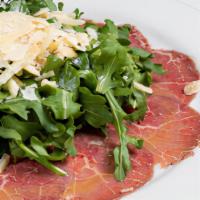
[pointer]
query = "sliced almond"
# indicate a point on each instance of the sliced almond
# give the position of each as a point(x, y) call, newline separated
point(192, 88)
point(143, 88)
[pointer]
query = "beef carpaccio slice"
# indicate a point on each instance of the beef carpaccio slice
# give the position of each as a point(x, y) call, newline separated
point(90, 175)
point(180, 70)
point(138, 40)
point(170, 131)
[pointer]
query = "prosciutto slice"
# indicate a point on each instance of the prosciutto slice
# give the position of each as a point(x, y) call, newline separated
point(170, 131)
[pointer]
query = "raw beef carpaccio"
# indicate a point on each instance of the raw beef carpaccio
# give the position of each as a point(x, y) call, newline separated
point(170, 129)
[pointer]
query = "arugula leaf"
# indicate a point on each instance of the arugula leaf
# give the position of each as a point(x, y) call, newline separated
point(81, 62)
point(140, 98)
point(38, 146)
point(61, 103)
point(69, 78)
point(78, 13)
point(140, 52)
point(51, 5)
point(16, 151)
point(89, 78)
point(121, 155)
point(18, 5)
point(53, 64)
point(35, 5)
point(22, 107)
point(112, 58)
point(157, 68)
point(138, 143)
point(40, 159)
point(51, 20)
point(123, 35)
point(60, 6)
point(43, 117)
point(22, 127)
point(69, 143)
point(3, 95)
point(9, 134)
point(28, 6)
point(13, 134)
point(17, 106)
point(109, 29)
point(96, 113)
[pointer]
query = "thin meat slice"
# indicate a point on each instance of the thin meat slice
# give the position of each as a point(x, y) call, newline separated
point(173, 90)
point(170, 130)
point(90, 175)
point(180, 70)
point(138, 39)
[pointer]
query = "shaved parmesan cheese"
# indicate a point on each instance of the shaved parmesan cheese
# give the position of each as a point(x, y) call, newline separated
point(10, 71)
point(4, 161)
point(45, 75)
point(13, 25)
point(66, 19)
point(29, 92)
point(92, 33)
point(13, 87)
point(78, 40)
point(15, 52)
point(32, 70)
point(143, 88)
point(192, 87)
point(26, 42)
point(47, 82)
point(64, 51)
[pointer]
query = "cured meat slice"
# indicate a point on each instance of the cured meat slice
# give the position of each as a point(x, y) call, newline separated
point(138, 40)
point(90, 175)
point(170, 130)
point(180, 70)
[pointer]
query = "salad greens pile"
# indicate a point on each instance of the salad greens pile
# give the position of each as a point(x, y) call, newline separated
point(93, 89)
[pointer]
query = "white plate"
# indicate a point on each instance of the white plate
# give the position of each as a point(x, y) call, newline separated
point(168, 24)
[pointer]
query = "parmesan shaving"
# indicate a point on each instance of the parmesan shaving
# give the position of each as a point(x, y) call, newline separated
point(4, 161)
point(143, 88)
point(192, 88)
point(45, 76)
point(32, 70)
point(29, 92)
point(47, 82)
point(13, 87)
point(26, 41)
point(92, 33)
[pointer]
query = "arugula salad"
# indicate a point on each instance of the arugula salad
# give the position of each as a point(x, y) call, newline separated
point(59, 73)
